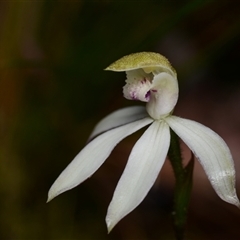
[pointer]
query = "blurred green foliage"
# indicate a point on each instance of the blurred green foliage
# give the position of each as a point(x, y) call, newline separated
point(53, 90)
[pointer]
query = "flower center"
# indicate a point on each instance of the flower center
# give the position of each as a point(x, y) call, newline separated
point(138, 85)
point(158, 89)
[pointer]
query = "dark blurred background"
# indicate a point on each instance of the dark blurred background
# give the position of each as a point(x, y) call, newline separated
point(53, 90)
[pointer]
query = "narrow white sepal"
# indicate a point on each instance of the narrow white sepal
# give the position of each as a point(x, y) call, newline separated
point(213, 154)
point(92, 157)
point(141, 171)
point(118, 118)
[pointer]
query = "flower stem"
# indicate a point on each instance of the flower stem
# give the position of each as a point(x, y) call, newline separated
point(183, 176)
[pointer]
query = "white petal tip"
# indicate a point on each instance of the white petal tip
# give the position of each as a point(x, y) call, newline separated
point(50, 197)
point(110, 225)
point(236, 202)
point(233, 199)
point(238, 205)
point(52, 193)
point(109, 230)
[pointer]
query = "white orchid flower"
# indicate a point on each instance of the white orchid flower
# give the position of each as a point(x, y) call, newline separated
point(151, 79)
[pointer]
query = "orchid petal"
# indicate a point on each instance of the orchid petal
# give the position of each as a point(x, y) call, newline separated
point(92, 157)
point(213, 154)
point(118, 118)
point(142, 169)
point(164, 95)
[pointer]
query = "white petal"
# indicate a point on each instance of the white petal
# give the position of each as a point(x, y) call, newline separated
point(163, 95)
point(92, 157)
point(144, 164)
point(212, 152)
point(118, 118)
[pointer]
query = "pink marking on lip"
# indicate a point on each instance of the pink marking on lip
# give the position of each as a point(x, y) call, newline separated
point(147, 95)
point(133, 95)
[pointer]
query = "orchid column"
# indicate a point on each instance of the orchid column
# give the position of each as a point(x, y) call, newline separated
point(151, 79)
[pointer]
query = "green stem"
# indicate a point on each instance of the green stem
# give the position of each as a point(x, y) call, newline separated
point(183, 176)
